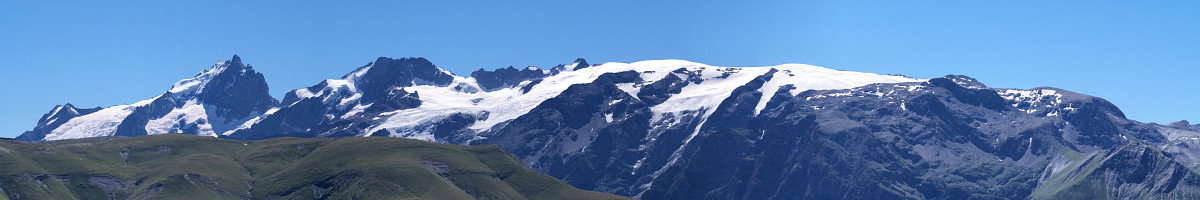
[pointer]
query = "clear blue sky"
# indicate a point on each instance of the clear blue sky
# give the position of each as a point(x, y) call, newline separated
point(1145, 57)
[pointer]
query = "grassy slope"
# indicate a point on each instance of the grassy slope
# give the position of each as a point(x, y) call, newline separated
point(1065, 182)
point(176, 166)
point(1076, 181)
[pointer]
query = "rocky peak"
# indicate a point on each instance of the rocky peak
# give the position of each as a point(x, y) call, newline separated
point(505, 77)
point(64, 109)
point(580, 63)
point(58, 114)
point(386, 73)
point(233, 65)
point(1183, 124)
point(217, 76)
point(971, 92)
point(227, 94)
point(1180, 124)
point(236, 87)
point(236, 60)
point(965, 81)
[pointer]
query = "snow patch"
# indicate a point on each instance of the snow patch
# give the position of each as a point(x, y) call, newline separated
point(1029, 101)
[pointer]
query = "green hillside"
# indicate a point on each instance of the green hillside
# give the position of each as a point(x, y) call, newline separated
point(177, 166)
point(1131, 171)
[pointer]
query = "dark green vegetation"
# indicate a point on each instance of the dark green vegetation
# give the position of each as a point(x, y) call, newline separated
point(177, 166)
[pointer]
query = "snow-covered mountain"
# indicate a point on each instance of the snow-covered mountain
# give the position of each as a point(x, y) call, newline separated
point(213, 102)
point(412, 98)
point(673, 129)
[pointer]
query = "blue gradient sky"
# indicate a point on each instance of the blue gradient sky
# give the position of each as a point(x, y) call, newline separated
point(1143, 57)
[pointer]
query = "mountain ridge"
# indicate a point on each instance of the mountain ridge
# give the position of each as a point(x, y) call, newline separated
point(648, 129)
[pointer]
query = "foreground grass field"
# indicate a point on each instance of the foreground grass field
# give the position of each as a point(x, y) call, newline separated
point(177, 166)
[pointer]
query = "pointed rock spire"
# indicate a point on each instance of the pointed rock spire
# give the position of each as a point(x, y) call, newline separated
point(580, 63)
point(236, 60)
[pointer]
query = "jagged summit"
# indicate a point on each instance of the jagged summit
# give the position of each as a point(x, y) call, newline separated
point(236, 60)
point(233, 67)
point(354, 101)
point(580, 63)
point(506, 77)
point(386, 73)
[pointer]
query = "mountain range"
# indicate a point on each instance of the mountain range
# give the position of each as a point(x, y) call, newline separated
point(674, 129)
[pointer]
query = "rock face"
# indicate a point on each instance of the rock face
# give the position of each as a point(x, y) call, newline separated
point(672, 129)
point(213, 102)
point(506, 77)
point(238, 90)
